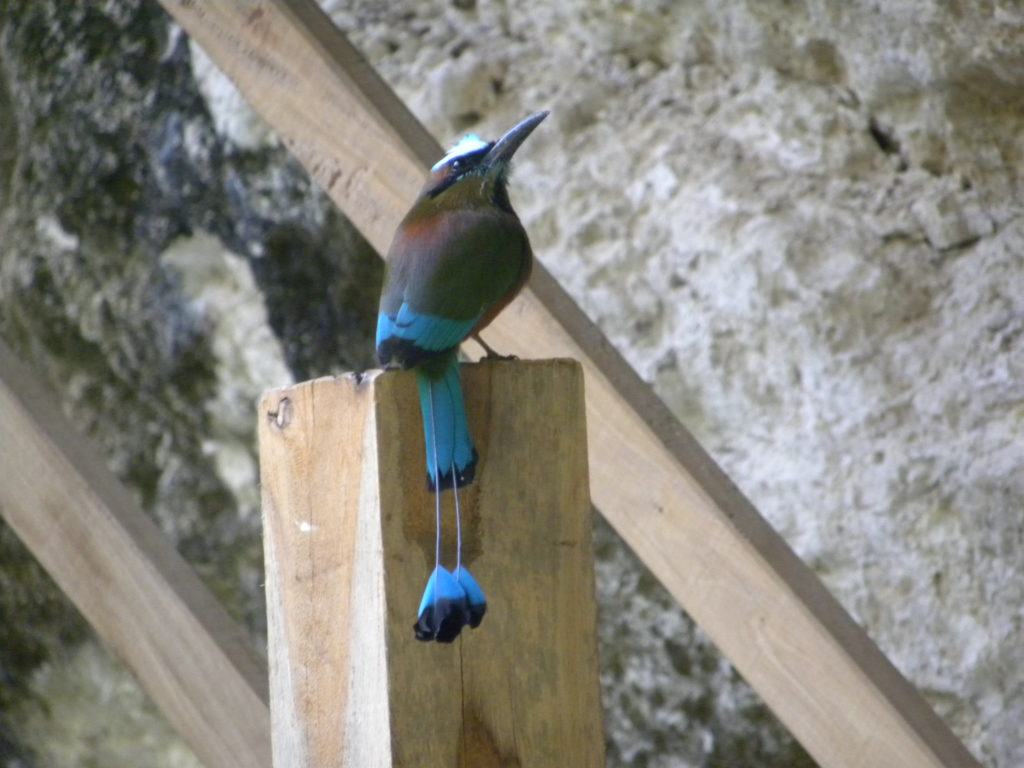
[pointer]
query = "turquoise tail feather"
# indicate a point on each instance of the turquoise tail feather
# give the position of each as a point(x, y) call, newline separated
point(450, 602)
point(445, 425)
point(476, 603)
point(443, 609)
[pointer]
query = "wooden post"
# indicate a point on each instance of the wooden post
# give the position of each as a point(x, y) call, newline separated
point(349, 540)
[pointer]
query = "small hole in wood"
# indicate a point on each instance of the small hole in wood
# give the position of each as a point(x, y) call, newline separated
point(282, 417)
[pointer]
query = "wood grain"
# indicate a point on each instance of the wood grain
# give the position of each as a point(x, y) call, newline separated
point(350, 542)
point(123, 574)
point(813, 665)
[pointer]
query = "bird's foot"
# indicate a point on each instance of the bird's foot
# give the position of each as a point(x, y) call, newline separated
point(489, 350)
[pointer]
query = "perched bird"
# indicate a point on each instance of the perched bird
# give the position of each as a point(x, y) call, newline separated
point(458, 258)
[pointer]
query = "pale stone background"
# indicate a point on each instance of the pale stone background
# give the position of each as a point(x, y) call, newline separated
point(801, 221)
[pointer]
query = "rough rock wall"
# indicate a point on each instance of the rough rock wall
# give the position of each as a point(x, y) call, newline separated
point(801, 221)
point(149, 270)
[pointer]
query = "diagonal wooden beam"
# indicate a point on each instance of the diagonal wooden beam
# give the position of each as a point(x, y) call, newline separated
point(813, 665)
point(122, 573)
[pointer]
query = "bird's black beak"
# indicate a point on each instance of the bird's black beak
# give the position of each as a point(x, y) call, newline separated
point(507, 145)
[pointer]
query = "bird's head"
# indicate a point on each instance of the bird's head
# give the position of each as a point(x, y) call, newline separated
point(477, 170)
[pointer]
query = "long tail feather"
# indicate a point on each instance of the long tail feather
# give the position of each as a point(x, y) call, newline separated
point(444, 609)
point(476, 603)
point(445, 424)
point(449, 601)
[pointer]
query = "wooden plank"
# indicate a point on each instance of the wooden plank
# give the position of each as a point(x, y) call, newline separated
point(132, 586)
point(813, 665)
point(349, 541)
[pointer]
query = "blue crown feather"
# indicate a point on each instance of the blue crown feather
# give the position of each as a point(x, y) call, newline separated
point(467, 145)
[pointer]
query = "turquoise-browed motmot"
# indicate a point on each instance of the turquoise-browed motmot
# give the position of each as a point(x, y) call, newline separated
point(458, 257)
